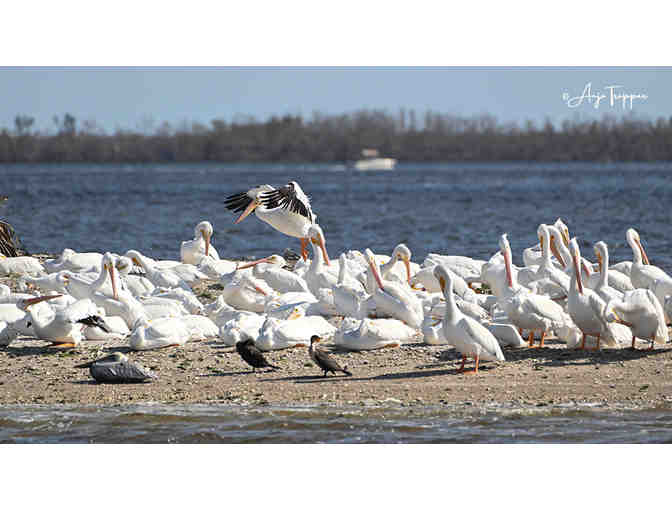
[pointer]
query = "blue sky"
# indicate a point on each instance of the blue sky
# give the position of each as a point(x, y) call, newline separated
point(135, 98)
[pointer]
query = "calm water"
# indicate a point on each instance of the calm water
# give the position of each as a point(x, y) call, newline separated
point(157, 423)
point(446, 208)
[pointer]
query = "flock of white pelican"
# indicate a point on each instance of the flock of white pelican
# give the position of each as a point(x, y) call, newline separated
point(383, 301)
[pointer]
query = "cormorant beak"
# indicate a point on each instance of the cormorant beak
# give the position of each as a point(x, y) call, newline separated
point(253, 205)
point(34, 301)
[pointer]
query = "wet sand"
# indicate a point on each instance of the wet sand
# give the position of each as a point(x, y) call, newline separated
point(416, 374)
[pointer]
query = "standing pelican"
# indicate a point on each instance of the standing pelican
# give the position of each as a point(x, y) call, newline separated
point(322, 359)
point(191, 252)
point(642, 273)
point(286, 209)
point(641, 311)
point(525, 310)
point(467, 335)
point(117, 368)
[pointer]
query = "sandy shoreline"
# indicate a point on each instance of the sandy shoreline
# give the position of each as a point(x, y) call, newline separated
point(31, 372)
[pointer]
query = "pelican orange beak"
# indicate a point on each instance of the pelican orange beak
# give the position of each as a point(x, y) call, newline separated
point(296, 314)
point(110, 270)
point(34, 301)
point(565, 237)
point(577, 272)
point(253, 263)
point(641, 249)
point(374, 270)
point(599, 259)
point(253, 205)
point(206, 236)
point(260, 290)
point(554, 251)
point(507, 265)
point(407, 263)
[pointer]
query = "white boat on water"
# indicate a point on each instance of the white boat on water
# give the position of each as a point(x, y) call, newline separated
point(372, 161)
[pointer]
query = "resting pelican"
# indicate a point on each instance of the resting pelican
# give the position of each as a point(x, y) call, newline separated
point(586, 308)
point(286, 209)
point(401, 253)
point(318, 277)
point(270, 269)
point(16, 316)
point(369, 334)
point(468, 336)
point(70, 260)
point(395, 300)
point(245, 292)
point(191, 252)
point(282, 334)
point(82, 287)
point(641, 311)
point(525, 310)
point(642, 273)
point(117, 368)
point(137, 285)
point(167, 278)
point(350, 298)
point(158, 333)
point(20, 265)
point(64, 327)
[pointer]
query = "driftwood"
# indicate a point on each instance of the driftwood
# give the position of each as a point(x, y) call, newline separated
point(10, 246)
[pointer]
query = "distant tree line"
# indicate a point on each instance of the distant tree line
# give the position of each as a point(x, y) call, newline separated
point(406, 135)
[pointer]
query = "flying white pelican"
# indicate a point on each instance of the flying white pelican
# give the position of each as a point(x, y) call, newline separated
point(641, 311)
point(286, 209)
point(527, 311)
point(191, 252)
point(468, 336)
point(395, 300)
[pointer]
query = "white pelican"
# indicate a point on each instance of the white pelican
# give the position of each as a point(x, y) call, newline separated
point(283, 334)
point(7, 296)
point(159, 277)
point(527, 311)
point(318, 277)
point(532, 256)
point(70, 260)
point(642, 273)
point(395, 300)
point(56, 282)
point(270, 269)
point(286, 209)
point(158, 333)
point(401, 253)
point(369, 334)
point(191, 252)
point(586, 308)
point(200, 327)
point(20, 265)
point(641, 311)
point(602, 288)
point(465, 267)
point(245, 292)
point(82, 287)
point(232, 330)
point(187, 299)
point(15, 318)
point(468, 336)
point(64, 327)
point(350, 298)
point(136, 284)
